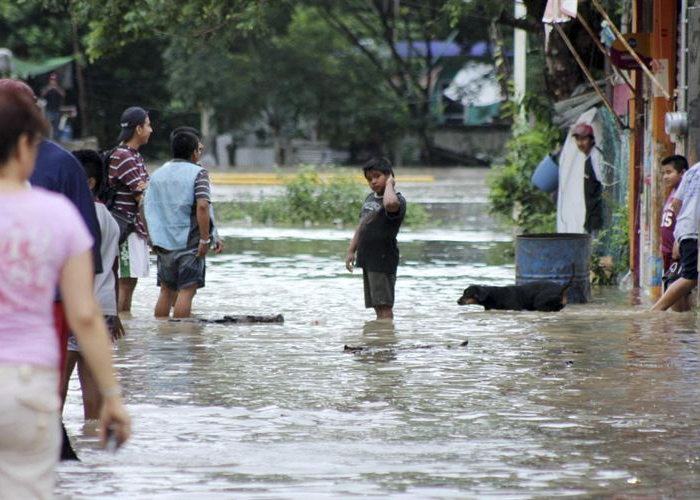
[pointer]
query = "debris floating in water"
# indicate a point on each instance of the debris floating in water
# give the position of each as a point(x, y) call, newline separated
point(243, 318)
point(354, 349)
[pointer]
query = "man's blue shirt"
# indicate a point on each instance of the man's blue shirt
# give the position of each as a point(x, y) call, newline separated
point(59, 171)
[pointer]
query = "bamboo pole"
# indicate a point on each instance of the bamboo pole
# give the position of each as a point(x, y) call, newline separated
point(590, 32)
point(643, 66)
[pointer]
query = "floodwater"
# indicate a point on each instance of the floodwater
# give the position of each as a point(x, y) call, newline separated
point(598, 401)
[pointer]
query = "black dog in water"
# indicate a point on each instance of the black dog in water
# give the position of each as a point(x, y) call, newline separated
point(535, 296)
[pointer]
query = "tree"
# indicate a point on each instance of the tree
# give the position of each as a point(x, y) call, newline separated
point(375, 27)
point(562, 74)
point(299, 77)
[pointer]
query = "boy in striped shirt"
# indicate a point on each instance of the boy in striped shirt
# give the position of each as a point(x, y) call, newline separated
point(127, 172)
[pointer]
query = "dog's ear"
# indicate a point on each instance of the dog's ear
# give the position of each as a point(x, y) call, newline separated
point(482, 293)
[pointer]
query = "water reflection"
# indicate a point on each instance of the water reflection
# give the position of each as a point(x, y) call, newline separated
point(596, 401)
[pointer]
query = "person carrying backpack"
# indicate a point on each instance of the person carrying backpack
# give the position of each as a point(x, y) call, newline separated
point(129, 179)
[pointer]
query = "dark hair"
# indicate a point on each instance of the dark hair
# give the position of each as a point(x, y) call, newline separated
point(679, 162)
point(183, 145)
point(19, 115)
point(382, 165)
point(184, 128)
point(92, 164)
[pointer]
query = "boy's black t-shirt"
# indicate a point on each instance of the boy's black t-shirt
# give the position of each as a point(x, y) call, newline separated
point(377, 250)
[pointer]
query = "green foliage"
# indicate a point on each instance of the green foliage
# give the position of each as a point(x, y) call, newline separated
point(613, 242)
point(301, 79)
point(31, 31)
point(512, 193)
point(311, 198)
point(117, 23)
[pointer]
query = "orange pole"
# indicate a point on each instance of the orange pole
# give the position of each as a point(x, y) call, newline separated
point(664, 55)
point(636, 123)
point(627, 46)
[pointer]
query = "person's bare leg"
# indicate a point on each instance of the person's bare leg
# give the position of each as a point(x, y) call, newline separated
point(126, 292)
point(183, 304)
point(384, 312)
point(92, 399)
point(165, 302)
point(682, 304)
point(678, 289)
point(71, 359)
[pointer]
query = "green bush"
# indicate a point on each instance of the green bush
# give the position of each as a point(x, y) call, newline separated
point(311, 198)
point(512, 194)
point(610, 251)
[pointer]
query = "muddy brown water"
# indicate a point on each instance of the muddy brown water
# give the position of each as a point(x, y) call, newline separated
point(598, 401)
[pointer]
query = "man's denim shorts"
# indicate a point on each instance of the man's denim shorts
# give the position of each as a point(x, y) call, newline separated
point(178, 269)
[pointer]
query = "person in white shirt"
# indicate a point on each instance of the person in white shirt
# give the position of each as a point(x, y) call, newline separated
point(105, 290)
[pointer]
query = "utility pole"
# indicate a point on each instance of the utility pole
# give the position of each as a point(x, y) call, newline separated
point(82, 99)
point(520, 53)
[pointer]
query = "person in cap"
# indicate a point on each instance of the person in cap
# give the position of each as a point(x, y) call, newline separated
point(580, 196)
point(128, 175)
point(592, 187)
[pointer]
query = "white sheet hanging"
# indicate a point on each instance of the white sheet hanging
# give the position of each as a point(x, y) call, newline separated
point(571, 204)
point(559, 11)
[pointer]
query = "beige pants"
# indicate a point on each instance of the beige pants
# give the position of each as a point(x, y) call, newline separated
point(30, 431)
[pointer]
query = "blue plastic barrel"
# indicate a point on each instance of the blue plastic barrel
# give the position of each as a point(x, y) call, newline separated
point(546, 175)
point(554, 257)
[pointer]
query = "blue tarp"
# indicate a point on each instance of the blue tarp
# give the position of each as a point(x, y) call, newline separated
point(420, 49)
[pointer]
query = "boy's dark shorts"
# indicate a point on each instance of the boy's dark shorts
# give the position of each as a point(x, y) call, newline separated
point(689, 258)
point(379, 288)
point(673, 272)
point(178, 269)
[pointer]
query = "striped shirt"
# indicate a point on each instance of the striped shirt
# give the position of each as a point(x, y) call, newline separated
point(201, 186)
point(126, 170)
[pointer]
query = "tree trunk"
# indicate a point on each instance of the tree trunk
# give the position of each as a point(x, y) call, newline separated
point(82, 99)
point(563, 73)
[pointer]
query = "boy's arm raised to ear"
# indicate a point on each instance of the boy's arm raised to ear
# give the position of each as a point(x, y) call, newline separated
point(390, 200)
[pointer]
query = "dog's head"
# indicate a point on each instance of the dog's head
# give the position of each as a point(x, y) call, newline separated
point(473, 294)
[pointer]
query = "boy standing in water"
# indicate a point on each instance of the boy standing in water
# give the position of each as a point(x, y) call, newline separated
point(686, 203)
point(127, 172)
point(672, 169)
point(375, 238)
point(105, 289)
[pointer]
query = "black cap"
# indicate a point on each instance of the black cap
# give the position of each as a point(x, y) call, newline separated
point(131, 118)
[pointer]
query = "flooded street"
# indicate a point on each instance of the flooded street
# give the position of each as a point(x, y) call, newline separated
point(601, 400)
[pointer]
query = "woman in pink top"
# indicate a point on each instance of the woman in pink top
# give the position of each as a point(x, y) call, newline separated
point(43, 244)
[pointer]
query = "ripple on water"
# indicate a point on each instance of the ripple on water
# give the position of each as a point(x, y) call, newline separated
point(596, 401)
